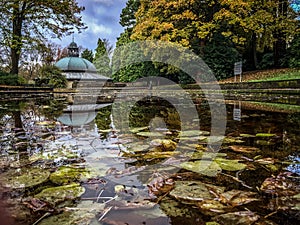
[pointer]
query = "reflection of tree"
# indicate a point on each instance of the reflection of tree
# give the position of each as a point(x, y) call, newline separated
point(102, 119)
point(145, 112)
point(53, 108)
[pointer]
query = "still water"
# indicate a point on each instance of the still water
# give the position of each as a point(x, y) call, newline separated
point(64, 164)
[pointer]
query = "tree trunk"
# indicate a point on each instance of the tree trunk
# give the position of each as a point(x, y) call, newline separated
point(279, 46)
point(16, 44)
point(254, 52)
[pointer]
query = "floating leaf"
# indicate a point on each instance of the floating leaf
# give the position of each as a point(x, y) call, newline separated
point(24, 177)
point(164, 144)
point(212, 207)
point(237, 197)
point(265, 135)
point(150, 134)
point(192, 133)
point(244, 149)
point(247, 135)
point(66, 175)
point(57, 195)
point(240, 218)
point(205, 167)
point(138, 129)
point(195, 191)
point(230, 164)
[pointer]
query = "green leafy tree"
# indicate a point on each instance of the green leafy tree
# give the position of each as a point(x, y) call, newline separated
point(220, 55)
point(293, 55)
point(26, 23)
point(102, 57)
point(130, 73)
point(52, 76)
point(88, 54)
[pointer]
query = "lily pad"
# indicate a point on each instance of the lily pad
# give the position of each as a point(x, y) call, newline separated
point(151, 134)
point(191, 192)
point(164, 144)
point(205, 167)
point(192, 133)
point(24, 177)
point(230, 164)
point(244, 149)
point(173, 208)
point(138, 129)
point(68, 218)
point(247, 135)
point(66, 175)
point(265, 135)
point(237, 197)
point(212, 207)
point(237, 218)
point(61, 194)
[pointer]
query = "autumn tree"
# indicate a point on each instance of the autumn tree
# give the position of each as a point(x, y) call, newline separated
point(257, 25)
point(26, 23)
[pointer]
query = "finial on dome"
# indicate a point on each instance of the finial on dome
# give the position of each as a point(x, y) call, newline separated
point(73, 50)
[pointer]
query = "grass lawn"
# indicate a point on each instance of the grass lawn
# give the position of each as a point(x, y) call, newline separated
point(267, 75)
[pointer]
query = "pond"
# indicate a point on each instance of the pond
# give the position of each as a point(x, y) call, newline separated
point(88, 164)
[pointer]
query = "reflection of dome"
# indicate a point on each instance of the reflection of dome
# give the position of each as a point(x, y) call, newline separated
point(77, 115)
point(77, 119)
point(75, 64)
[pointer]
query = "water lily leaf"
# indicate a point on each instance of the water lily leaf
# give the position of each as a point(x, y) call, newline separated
point(173, 208)
point(57, 195)
point(67, 218)
point(192, 133)
point(240, 218)
point(164, 144)
point(231, 140)
point(265, 135)
point(281, 185)
point(212, 223)
point(150, 134)
point(191, 192)
point(24, 177)
point(138, 129)
point(244, 149)
point(230, 164)
point(205, 167)
point(212, 207)
point(247, 135)
point(66, 175)
point(237, 197)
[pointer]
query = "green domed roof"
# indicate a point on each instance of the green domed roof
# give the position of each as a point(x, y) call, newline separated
point(75, 64)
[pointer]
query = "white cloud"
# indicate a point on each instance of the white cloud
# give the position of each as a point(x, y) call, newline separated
point(99, 29)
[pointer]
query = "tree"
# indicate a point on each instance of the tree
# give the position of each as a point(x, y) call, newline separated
point(88, 54)
point(102, 57)
point(51, 75)
point(257, 25)
point(26, 23)
point(127, 17)
point(130, 73)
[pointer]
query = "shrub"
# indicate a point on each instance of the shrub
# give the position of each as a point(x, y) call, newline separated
point(11, 79)
point(51, 76)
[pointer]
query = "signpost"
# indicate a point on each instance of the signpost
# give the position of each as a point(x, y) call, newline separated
point(238, 70)
point(237, 112)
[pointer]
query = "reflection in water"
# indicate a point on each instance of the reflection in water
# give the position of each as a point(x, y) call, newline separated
point(152, 180)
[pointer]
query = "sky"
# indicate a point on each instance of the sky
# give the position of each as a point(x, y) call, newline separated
point(102, 18)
